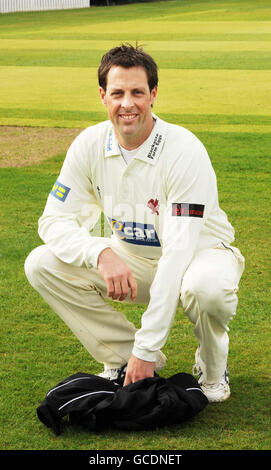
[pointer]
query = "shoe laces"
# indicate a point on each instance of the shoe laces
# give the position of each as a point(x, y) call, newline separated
point(121, 373)
point(224, 380)
point(197, 372)
point(225, 377)
point(109, 373)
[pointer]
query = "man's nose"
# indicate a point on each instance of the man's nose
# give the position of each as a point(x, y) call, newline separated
point(127, 101)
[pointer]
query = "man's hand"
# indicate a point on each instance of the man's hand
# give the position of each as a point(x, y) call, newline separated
point(138, 369)
point(117, 275)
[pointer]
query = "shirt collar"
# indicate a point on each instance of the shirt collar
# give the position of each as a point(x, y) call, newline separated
point(111, 144)
point(150, 149)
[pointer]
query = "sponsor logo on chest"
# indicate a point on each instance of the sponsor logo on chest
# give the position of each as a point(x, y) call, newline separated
point(135, 232)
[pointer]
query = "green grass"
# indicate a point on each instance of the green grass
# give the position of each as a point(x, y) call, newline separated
point(254, 60)
point(230, 92)
point(214, 61)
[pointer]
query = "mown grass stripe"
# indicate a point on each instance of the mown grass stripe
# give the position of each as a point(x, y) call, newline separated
point(81, 124)
point(100, 116)
point(229, 153)
point(191, 91)
point(13, 46)
point(53, 114)
point(119, 36)
point(246, 60)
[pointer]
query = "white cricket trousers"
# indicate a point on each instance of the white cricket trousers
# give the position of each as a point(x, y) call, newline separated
point(79, 296)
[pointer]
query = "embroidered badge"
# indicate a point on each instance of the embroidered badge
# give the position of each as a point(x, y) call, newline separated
point(153, 204)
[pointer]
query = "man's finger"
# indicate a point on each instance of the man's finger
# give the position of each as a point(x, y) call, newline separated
point(110, 288)
point(133, 286)
point(125, 289)
point(117, 290)
point(127, 380)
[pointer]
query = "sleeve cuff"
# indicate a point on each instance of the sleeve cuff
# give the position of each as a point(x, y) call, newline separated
point(93, 258)
point(144, 354)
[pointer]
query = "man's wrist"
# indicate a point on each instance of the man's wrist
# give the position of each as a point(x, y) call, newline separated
point(92, 261)
point(144, 354)
point(101, 254)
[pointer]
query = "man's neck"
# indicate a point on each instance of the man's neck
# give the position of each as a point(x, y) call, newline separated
point(133, 142)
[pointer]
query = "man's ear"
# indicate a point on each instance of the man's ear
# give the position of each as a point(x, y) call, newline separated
point(102, 95)
point(154, 94)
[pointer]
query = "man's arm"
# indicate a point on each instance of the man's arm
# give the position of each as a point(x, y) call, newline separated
point(179, 241)
point(72, 209)
point(190, 181)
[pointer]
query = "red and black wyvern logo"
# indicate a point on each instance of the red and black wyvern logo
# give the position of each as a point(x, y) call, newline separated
point(183, 209)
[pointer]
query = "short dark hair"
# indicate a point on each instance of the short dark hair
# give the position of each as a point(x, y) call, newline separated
point(128, 56)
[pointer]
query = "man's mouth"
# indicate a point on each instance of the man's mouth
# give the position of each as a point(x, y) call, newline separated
point(127, 117)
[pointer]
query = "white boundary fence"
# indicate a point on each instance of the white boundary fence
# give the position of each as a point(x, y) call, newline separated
point(8, 6)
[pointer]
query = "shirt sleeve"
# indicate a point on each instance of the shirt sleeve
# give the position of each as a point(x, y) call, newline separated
point(189, 181)
point(72, 210)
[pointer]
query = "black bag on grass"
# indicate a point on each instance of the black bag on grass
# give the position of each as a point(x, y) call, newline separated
point(98, 404)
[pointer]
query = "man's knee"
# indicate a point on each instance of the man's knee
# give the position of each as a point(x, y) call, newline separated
point(32, 265)
point(216, 297)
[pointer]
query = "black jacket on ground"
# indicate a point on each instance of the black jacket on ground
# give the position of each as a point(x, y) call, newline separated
point(98, 404)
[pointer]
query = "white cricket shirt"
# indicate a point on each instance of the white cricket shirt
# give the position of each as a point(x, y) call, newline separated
point(163, 205)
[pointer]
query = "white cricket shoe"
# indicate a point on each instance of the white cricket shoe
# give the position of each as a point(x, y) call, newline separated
point(215, 392)
point(114, 374)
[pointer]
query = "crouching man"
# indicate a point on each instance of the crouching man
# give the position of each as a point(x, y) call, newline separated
point(171, 243)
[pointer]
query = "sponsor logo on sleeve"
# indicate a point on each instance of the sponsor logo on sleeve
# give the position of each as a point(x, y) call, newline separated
point(183, 209)
point(135, 232)
point(60, 191)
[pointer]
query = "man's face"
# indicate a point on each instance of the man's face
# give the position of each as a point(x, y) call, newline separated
point(128, 100)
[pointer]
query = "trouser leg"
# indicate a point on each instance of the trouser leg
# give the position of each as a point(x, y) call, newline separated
point(78, 296)
point(209, 298)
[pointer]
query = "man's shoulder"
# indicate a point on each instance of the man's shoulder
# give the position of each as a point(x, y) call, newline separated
point(179, 133)
point(180, 141)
